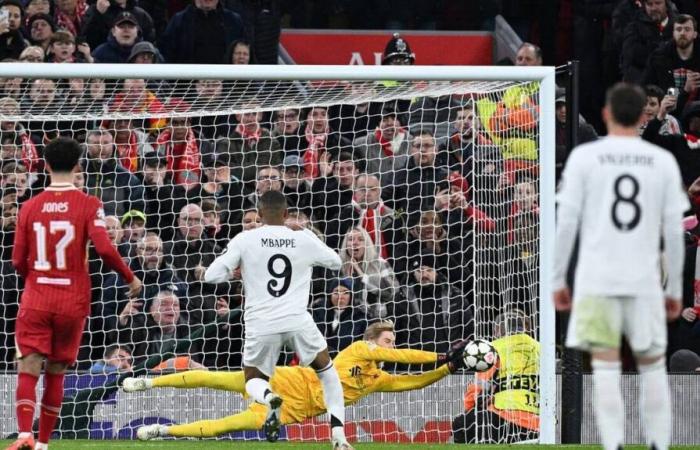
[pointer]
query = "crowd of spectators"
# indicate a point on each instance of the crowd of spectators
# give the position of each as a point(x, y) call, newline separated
point(388, 185)
point(431, 203)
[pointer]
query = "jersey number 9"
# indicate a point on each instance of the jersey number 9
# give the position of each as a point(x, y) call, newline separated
point(283, 277)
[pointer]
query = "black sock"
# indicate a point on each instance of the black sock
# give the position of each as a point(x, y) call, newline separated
point(335, 422)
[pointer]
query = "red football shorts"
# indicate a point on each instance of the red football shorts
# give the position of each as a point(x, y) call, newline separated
point(55, 336)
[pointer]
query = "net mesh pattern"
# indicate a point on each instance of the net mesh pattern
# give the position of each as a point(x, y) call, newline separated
point(428, 191)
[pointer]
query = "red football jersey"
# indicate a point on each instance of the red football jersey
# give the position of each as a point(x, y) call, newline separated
point(50, 251)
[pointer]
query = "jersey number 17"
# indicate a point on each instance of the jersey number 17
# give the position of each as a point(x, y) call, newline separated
point(42, 261)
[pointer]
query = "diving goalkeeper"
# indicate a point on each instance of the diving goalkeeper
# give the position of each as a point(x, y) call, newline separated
point(358, 367)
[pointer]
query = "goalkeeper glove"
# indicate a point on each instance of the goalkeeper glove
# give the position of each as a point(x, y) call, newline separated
point(454, 357)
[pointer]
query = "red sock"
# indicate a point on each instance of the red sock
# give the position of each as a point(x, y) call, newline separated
point(25, 401)
point(50, 405)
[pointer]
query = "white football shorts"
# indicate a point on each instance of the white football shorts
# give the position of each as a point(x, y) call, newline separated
point(599, 322)
point(263, 351)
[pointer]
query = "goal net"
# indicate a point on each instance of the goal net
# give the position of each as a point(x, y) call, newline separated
point(430, 190)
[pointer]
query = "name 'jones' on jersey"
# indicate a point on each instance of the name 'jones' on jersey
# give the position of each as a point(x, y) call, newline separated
point(628, 186)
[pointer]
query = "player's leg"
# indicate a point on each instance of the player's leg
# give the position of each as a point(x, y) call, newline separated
point(607, 397)
point(51, 401)
point(33, 335)
point(248, 420)
point(223, 381)
point(313, 351)
point(29, 370)
point(596, 326)
point(67, 333)
point(646, 332)
point(260, 354)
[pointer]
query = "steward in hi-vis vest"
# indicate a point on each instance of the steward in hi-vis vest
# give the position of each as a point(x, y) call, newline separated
point(501, 406)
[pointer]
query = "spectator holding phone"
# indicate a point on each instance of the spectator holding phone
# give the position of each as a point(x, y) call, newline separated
point(11, 40)
point(659, 105)
point(682, 146)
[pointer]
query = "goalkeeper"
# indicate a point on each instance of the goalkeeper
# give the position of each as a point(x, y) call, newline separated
point(503, 402)
point(358, 367)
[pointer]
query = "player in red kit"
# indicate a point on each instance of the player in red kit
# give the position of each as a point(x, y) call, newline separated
point(50, 253)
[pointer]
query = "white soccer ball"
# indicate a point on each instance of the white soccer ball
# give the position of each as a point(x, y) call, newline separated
point(480, 355)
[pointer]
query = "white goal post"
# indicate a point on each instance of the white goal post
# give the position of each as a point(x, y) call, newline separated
point(441, 76)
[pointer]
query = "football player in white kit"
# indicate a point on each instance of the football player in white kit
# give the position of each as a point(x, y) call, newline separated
point(276, 264)
point(622, 195)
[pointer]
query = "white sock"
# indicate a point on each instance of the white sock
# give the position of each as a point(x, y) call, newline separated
point(41, 446)
point(258, 389)
point(24, 435)
point(655, 404)
point(333, 396)
point(607, 403)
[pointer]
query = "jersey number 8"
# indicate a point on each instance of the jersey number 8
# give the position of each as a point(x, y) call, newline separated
point(283, 277)
point(626, 198)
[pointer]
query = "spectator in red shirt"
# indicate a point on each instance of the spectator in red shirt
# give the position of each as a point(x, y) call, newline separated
point(135, 97)
point(250, 146)
point(131, 144)
point(70, 15)
point(181, 147)
point(29, 153)
point(322, 144)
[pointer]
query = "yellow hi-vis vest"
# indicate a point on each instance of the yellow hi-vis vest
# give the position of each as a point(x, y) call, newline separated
point(518, 373)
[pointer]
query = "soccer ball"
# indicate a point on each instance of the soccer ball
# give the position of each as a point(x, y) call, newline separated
point(479, 355)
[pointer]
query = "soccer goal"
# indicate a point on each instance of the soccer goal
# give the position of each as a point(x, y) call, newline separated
point(435, 185)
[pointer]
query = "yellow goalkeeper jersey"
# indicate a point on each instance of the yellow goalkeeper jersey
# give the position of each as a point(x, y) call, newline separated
point(359, 369)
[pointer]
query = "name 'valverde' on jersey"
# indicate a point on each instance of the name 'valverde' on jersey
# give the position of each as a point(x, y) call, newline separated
point(276, 264)
point(622, 188)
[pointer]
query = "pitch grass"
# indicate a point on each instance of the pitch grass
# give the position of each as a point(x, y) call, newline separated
point(211, 445)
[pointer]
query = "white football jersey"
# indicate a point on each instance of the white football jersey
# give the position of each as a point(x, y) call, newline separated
point(620, 189)
point(276, 264)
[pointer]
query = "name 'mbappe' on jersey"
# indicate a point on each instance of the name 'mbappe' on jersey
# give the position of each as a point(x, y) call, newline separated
point(619, 191)
point(276, 264)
